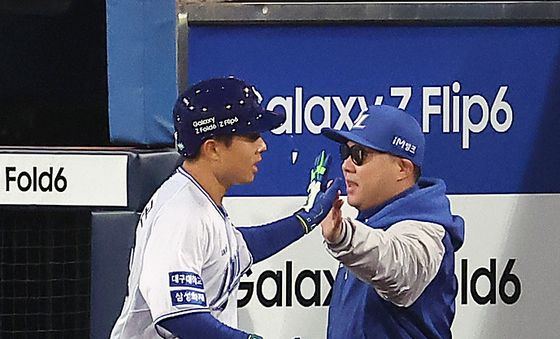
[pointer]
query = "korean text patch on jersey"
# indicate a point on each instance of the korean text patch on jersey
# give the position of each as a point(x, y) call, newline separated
point(188, 297)
point(185, 279)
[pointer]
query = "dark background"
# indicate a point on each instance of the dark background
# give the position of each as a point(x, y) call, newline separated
point(53, 73)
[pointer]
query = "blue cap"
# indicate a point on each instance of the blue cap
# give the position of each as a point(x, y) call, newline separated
point(385, 129)
point(220, 106)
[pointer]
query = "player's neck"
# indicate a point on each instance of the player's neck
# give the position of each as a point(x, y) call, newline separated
point(207, 180)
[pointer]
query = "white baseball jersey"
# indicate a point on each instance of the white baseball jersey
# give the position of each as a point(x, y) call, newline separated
point(188, 258)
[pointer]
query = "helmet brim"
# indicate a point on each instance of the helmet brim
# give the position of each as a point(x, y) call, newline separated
point(263, 121)
point(272, 120)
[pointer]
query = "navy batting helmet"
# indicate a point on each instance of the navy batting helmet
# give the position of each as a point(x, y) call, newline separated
point(220, 106)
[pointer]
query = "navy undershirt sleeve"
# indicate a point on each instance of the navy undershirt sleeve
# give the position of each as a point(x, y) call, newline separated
point(200, 325)
point(266, 240)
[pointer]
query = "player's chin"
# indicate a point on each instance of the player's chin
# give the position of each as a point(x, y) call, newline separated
point(248, 178)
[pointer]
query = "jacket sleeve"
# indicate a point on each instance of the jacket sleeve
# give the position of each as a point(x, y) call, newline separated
point(398, 262)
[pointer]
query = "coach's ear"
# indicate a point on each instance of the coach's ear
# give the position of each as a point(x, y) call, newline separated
point(405, 168)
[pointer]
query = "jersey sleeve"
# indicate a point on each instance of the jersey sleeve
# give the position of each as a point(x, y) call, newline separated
point(399, 262)
point(265, 240)
point(170, 281)
point(198, 325)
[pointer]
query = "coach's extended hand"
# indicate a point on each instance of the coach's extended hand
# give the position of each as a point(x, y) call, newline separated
point(320, 198)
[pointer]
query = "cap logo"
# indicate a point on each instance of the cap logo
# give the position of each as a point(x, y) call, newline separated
point(401, 143)
point(359, 123)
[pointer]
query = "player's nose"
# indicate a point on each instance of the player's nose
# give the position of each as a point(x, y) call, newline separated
point(262, 147)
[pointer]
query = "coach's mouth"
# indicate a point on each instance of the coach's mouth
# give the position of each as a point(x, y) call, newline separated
point(351, 186)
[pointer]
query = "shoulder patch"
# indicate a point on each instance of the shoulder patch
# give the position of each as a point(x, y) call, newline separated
point(185, 279)
point(188, 297)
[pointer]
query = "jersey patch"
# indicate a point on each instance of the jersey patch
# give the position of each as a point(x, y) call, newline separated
point(188, 297)
point(185, 279)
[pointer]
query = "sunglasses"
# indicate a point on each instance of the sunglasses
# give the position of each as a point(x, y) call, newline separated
point(356, 152)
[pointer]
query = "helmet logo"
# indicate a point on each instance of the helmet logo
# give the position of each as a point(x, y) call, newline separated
point(257, 94)
point(179, 145)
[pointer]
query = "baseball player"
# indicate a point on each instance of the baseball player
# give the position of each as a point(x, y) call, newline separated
point(188, 257)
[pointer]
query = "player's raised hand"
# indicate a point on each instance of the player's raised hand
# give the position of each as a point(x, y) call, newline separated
point(320, 198)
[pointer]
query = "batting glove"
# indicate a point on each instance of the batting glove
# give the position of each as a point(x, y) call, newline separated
point(320, 198)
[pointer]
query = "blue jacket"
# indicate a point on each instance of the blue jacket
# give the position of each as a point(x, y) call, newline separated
point(357, 311)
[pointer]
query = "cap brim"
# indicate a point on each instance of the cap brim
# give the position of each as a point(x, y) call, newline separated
point(344, 136)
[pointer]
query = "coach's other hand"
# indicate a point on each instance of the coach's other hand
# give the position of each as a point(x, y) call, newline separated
point(320, 196)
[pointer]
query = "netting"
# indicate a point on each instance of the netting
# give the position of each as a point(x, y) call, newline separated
point(44, 272)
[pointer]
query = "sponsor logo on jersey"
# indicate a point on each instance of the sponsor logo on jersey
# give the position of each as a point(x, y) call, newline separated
point(188, 297)
point(185, 279)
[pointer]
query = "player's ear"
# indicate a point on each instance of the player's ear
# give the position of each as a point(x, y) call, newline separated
point(405, 168)
point(210, 149)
